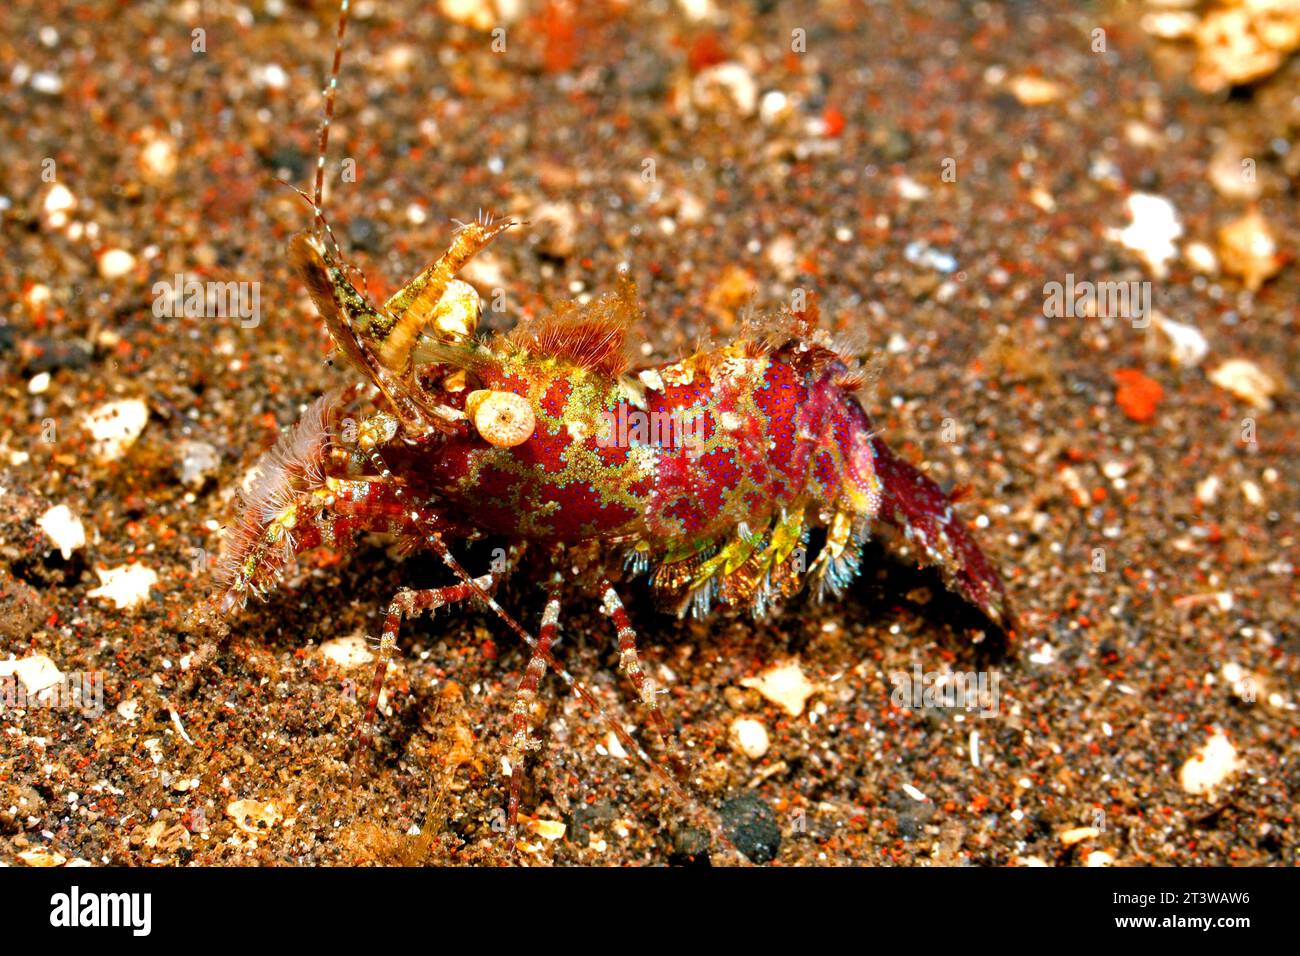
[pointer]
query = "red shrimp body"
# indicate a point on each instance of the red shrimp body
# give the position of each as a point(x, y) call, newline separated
point(675, 454)
point(710, 473)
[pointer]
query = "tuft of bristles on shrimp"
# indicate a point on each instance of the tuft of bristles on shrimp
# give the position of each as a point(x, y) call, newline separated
point(276, 512)
point(735, 477)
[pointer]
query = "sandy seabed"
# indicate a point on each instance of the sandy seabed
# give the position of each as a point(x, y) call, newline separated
point(926, 169)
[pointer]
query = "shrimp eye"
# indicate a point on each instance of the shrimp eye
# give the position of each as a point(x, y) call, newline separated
point(504, 419)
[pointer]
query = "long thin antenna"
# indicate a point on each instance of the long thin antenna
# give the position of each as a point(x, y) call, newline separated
point(331, 91)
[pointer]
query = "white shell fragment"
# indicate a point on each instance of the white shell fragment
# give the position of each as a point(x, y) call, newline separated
point(726, 85)
point(347, 652)
point(115, 426)
point(1187, 346)
point(1210, 766)
point(1033, 90)
point(254, 816)
point(1248, 249)
point(115, 263)
point(158, 158)
point(1152, 232)
point(42, 857)
point(1247, 381)
point(784, 685)
point(63, 528)
point(37, 673)
point(126, 586)
point(1078, 835)
point(547, 829)
point(59, 203)
point(749, 737)
point(914, 793)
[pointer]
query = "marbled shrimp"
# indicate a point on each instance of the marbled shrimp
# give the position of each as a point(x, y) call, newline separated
point(735, 477)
